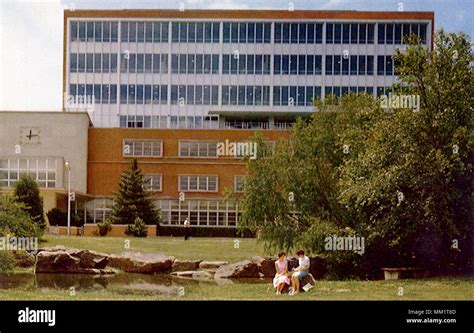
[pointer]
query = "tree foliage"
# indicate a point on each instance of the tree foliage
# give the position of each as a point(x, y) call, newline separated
point(132, 200)
point(400, 178)
point(27, 192)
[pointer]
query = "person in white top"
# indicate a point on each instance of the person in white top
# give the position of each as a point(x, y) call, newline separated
point(299, 272)
point(186, 229)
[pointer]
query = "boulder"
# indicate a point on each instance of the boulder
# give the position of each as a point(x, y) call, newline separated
point(185, 265)
point(211, 265)
point(266, 266)
point(136, 262)
point(242, 269)
point(91, 259)
point(195, 275)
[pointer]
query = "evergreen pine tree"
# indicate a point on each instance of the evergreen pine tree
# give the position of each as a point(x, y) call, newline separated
point(27, 192)
point(132, 200)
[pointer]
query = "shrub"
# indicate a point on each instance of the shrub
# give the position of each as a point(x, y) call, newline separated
point(27, 192)
point(104, 227)
point(57, 217)
point(138, 229)
point(7, 261)
point(14, 219)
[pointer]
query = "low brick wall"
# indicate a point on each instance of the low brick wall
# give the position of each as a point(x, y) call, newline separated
point(56, 230)
point(118, 230)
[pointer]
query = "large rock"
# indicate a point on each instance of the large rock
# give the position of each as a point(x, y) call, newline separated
point(136, 262)
point(185, 265)
point(91, 259)
point(211, 265)
point(266, 266)
point(242, 269)
point(65, 262)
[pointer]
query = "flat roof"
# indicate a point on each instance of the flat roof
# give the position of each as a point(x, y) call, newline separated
point(252, 14)
point(49, 113)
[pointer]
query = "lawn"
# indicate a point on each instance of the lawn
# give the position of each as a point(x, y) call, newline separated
point(226, 249)
point(458, 288)
point(442, 288)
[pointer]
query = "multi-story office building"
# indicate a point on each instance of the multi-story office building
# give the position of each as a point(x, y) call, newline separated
point(168, 86)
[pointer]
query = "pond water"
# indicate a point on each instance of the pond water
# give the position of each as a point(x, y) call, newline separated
point(163, 284)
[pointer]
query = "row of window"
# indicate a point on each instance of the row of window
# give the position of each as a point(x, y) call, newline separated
point(345, 33)
point(93, 62)
point(337, 91)
point(144, 63)
point(297, 64)
point(395, 33)
point(43, 170)
point(231, 64)
point(204, 213)
point(245, 95)
point(247, 32)
point(207, 32)
point(143, 94)
point(195, 63)
point(103, 93)
point(246, 64)
point(206, 122)
point(94, 31)
point(350, 65)
point(302, 33)
point(194, 95)
point(293, 95)
point(143, 148)
point(195, 32)
point(149, 32)
point(198, 183)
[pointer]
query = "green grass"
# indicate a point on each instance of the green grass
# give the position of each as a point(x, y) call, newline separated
point(459, 288)
point(194, 248)
point(448, 288)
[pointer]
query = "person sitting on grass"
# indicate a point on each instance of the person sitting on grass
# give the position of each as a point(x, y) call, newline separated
point(299, 272)
point(281, 277)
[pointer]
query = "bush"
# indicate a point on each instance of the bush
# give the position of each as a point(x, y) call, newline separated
point(14, 220)
point(7, 261)
point(57, 217)
point(178, 231)
point(138, 229)
point(104, 227)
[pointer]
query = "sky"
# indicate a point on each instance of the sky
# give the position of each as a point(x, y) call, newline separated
point(31, 33)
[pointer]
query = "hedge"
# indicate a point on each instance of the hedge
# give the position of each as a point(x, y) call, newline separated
point(178, 231)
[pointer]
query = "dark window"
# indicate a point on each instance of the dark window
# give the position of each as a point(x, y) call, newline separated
point(241, 95)
point(353, 64)
point(156, 32)
point(140, 63)
point(277, 64)
point(370, 33)
point(277, 37)
point(294, 32)
point(370, 65)
point(191, 62)
point(318, 64)
point(251, 33)
point(97, 62)
point(132, 32)
point(73, 62)
point(215, 64)
point(242, 33)
point(389, 33)
point(226, 32)
point(225, 95)
point(74, 30)
point(175, 32)
point(337, 33)
point(354, 33)
point(388, 65)
point(190, 94)
point(381, 34)
point(258, 64)
point(81, 63)
point(199, 63)
point(140, 94)
point(215, 32)
point(214, 95)
point(149, 32)
point(192, 33)
point(98, 32)
point(285, 59)
point(423, 33)
point(259, 33)
point(183, 32)
point(164, 94)
point(345, 33)
point(226, 63)
point(328, 65)
point(319, 33)
point(301, 64)
point(361, 65)
point(398, 33)
point(242, 64)
point(235, 32)
point(90, 31)
point(301, 96)
point(267, 32)
point(131, 94)
point(294, 64)
point(310, 37)
point(113, 93)
point(362, 33)
point(207, 32)
point(380, 65)
point(345, 65)
point(337, 65)
point(302, 33)
point(182, 63)
point(329, 33)
point(140, 32)
point(147, 94)
point(164, 32)
point(250, 64)
point(106, 28)
point(82, 31)
point(89, 62)
point(123, 94)
point(156, 63)
point(199, 32)
point(174, 63)
point(207, 63)
point(286, 32)
point(309, 65)
point(276, 95)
